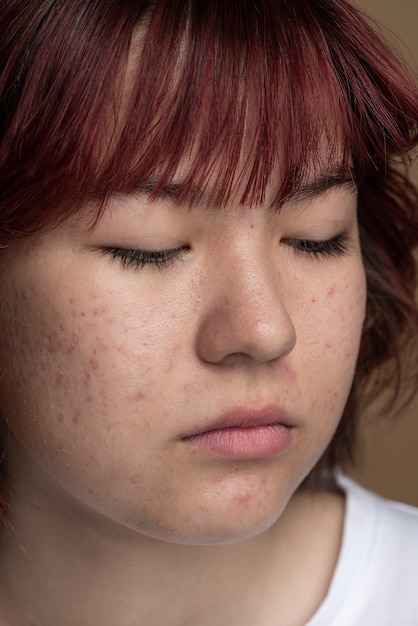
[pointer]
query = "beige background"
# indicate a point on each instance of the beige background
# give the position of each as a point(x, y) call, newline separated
point(390, 450)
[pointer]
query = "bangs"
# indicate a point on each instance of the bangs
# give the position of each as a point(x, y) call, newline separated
point(108, 97)
point(233, 101)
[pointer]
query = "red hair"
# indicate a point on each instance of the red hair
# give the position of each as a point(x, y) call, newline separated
point(310, 81)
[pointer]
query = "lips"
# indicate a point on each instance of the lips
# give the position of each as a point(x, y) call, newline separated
point(243, 433)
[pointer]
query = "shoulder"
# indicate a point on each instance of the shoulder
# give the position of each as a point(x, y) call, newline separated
point(387, 530)
point(376, 578)
point(394, 522)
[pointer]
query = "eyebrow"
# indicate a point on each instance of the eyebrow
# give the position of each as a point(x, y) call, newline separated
point(318, 186)
point(322, 184)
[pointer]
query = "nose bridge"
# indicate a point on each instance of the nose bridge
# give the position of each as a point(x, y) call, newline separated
point(247, 312)
point(251, 288)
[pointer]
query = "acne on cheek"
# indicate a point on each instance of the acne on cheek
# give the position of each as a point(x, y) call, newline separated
point(103, 354)
point(338, 310)
point(138, 396)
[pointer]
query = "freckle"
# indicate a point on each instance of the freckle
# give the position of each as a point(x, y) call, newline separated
point(313, 300)
point(83, 314)
point(137, 397)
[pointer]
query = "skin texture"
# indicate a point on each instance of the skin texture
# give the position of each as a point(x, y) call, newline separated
point(122, 362)
point(109, 367)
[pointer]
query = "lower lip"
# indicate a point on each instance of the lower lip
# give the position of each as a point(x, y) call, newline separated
point(256, 442)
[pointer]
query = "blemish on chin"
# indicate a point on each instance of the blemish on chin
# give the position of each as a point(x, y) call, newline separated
point(330, 291)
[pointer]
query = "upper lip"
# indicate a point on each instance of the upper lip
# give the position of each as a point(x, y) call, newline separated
point(244, 417)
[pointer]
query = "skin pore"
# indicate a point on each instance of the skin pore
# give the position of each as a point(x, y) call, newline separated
point(121, 340)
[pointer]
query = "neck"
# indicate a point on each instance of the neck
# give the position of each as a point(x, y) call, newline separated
point(65, 572)
point(68, 565)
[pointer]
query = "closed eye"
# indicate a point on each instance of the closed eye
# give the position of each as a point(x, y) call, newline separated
point(136, 259)
point(337, 246)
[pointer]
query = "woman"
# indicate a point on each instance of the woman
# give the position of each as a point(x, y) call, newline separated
point(207, 273)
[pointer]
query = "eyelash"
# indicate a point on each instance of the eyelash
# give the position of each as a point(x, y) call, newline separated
point(136, 259)
point(161, 259)
point(338, 246)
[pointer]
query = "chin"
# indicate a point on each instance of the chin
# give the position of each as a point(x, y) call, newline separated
point(216, 525)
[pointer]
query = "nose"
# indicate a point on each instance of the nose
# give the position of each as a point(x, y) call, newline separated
point(246, 318)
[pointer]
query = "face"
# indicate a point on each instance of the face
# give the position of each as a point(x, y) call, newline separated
point(178, 370)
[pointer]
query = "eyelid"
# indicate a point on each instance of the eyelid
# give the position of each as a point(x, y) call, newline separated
point(136, 258)
point(325, 248)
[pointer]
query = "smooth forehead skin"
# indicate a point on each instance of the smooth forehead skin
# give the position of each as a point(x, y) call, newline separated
point(123, 362)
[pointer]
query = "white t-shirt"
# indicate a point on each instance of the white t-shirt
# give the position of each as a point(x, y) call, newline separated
point(375, 582)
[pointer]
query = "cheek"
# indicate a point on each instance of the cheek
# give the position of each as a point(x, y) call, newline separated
point(344, 305)
point(91, 368)
point(85, 392)
point(331, 334)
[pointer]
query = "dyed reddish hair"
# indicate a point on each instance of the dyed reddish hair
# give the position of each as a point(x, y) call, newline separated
point(309, 80)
